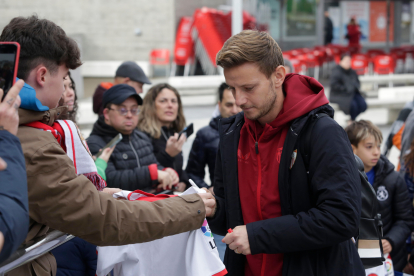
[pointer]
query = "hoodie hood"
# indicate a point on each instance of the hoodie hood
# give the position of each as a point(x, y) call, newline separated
point(303, 94)
point(383, 168)
point(214, 122)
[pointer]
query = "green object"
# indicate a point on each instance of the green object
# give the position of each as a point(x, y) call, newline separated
point(101, 167)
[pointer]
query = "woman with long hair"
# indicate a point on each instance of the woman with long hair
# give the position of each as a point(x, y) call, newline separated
point(161, 118)
point(69, 98)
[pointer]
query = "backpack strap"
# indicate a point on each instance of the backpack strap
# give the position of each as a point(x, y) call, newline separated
point(306, 143)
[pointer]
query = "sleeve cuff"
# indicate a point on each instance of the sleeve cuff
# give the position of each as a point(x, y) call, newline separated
point(250, 227)
point(153, 170)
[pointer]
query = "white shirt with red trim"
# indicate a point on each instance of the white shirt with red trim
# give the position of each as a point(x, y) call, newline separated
point(192, 253)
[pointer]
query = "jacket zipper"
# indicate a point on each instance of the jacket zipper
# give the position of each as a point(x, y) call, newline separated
point(259, 188)
point(136, 154)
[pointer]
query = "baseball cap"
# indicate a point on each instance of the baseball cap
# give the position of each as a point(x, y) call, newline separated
point(131, 70)
point(117, 94)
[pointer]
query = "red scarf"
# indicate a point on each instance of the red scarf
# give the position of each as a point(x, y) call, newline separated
point(57, 132)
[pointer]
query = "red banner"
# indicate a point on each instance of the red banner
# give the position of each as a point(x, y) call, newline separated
point(183, 41)
point(378, 21)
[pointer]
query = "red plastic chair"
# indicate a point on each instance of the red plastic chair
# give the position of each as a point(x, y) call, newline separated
point(360, 64)
point(298, 65)
point(371, 56)
point(383, 64)
point(287, 55)
point(374, 53)
point(296, 52)
point(160, 57)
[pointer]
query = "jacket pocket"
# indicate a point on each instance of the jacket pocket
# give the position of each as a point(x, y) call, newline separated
point(191, 198)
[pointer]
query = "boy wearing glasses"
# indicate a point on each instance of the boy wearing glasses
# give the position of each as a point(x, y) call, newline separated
point(132, 165)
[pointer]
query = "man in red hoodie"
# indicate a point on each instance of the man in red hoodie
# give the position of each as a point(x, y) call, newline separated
point(288, 217)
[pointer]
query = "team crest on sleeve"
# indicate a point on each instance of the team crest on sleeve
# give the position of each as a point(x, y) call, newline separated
point(382, 193)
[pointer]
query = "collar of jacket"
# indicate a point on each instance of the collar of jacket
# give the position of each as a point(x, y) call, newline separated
point(383, 168)
point(47, 117)
point(214, 122)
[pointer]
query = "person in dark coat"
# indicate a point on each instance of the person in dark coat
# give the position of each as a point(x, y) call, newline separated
point(14, 207)
point(392, 194)
point(328, 29)
point(204, 149)
point(162, 118)
point(76, 257)
point(345, 89)
point(286, 218)
point(132, 165)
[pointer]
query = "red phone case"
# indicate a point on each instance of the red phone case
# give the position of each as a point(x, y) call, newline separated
point(16, 62)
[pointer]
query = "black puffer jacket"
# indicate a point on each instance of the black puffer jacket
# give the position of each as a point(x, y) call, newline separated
point(128, 166)
point(395, 210)
point(344, 85)
point(203, 152)
point(165, 159)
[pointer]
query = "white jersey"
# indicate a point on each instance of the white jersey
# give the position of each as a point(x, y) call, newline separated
point(186, 254)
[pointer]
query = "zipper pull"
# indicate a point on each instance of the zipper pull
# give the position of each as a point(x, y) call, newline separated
point(257, 147)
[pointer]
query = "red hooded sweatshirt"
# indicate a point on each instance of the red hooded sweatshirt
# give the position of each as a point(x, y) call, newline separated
point(259, 152)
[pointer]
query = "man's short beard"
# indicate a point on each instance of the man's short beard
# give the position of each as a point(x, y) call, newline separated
point(269, 103)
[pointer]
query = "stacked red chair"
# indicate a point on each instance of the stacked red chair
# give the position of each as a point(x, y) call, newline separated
point(359, 62)
point(384, 64)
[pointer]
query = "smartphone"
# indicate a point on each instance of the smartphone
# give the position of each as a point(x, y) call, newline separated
point(188, 130)
point(112, 143)
point(9, 61)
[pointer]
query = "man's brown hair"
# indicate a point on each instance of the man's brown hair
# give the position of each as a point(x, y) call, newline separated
point(360, 130)
point(251, 46)
point(41, 42)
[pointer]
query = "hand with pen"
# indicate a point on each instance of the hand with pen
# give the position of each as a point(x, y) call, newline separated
point(238, 240)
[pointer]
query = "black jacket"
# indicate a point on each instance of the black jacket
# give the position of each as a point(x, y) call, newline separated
point(328, 29)
point(344, 85)
point(14, 207)
point(128, 166)
point(165, 159)
point(204, 152)
point(395, 209)
point(320, 209)
point(76, 258)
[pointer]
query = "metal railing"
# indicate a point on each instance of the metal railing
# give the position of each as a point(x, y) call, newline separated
point(27, 254)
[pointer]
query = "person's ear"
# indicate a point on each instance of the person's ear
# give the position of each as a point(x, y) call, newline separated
point(126, 80)
point(106, 114)
point(354, 149)
point(41, 73)
point(279, 76)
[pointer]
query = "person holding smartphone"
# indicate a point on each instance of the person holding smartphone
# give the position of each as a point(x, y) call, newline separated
point(14, 209)
point(162, 118)
point(59, 198)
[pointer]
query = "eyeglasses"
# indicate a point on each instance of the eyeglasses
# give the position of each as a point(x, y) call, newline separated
point(123, 111)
